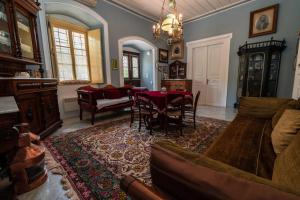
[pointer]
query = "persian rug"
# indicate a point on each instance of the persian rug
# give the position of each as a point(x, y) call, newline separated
point(96, 158)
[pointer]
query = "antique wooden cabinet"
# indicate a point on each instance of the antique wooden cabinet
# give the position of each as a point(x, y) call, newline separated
point(18, 36)
point(37, 102)
point(177, 84)
point(259, 68)
point(177, 70)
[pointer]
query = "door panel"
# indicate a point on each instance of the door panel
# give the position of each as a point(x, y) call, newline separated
point(131, 65)
point(50, 109)
point(296, 91)
point(30, 112)
point(214, 75)
point(209, 62)
point(199, 72)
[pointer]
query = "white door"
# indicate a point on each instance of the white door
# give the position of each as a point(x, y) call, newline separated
point(208, 62)
point(296, 90)
point(199, 73)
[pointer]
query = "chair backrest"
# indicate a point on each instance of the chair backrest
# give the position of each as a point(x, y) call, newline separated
point(143, 102)
point(196, 101)
point(175, 102)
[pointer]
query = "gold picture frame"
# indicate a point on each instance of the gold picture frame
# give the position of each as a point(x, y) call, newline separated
point(177, 51)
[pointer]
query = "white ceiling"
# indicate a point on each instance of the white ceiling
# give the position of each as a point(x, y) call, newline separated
point(191, 9)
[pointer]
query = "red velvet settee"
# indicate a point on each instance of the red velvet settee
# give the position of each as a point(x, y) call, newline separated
point(98, 100)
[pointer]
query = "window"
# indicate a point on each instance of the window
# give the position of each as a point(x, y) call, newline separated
point(76, 53)
point(131, 65)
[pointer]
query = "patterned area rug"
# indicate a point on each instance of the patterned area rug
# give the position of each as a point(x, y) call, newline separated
point(96, 158)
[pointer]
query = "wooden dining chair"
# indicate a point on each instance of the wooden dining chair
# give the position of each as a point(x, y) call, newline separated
point(146, 111)
point(192, 109)
point(174, 111)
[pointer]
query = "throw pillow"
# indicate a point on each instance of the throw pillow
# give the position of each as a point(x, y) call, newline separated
point(286, 171)
point(112, 94)
point(285, 130)
point(294, 104)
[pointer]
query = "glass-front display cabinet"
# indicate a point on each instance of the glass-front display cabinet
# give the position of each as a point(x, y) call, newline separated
point(5, 31)
point(259, 68)
point(18, 33)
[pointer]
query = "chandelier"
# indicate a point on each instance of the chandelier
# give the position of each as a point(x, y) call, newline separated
point(169, 25)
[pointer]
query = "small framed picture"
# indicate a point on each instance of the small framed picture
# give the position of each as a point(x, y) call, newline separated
point(263, 21)
point(114, 64)
point(177, 51)
point(163, 56)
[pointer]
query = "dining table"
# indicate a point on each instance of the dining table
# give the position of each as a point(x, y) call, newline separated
point(158, 98)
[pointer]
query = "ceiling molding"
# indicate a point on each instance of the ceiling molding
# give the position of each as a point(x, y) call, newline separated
point(223, 9)
point(132, 11)
point(186, 21)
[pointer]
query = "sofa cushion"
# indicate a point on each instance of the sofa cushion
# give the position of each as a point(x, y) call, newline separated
point(188, 175)
point(285, 130)
point(287, 166)
point(112, 93)
point(293, 104)
point(246, 144)
point(102, 103)
point(96, 92)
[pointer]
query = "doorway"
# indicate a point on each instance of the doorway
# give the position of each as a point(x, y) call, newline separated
point(132, 68)
point(147, 62)
point(208, 64)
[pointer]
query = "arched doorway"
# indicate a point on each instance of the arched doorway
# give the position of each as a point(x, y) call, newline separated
point(144, 45)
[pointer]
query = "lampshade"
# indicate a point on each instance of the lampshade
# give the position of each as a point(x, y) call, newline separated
point(170, 23)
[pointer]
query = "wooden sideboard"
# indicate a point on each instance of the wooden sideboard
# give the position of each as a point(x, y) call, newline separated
point(177, 84)
point(37, 102)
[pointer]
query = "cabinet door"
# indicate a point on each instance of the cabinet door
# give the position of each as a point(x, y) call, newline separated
point(5, 32)
point(25, 27)
point(50, 109)
point(29, 106)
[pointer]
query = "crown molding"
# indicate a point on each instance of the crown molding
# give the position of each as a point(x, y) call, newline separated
point(223, 9)
point(132, 11)
point(199, 17)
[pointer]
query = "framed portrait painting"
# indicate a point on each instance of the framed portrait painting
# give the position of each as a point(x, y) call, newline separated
point(263, 21)
point(163, 56)
point(177, 51)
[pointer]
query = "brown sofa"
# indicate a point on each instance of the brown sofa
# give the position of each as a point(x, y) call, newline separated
point(99, 100)
point(240, 164)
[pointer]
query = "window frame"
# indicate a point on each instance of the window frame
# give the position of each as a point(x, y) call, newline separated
point(130, 71)
point(70, 27)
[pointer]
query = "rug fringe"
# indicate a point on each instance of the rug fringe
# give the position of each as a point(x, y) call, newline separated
point(56, 169)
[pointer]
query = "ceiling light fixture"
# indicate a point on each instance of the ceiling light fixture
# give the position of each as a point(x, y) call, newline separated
point(169, 26)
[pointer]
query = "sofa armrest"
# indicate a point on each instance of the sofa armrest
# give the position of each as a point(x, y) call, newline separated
point(139, 191)
point(261, 107)
point(86, 97)
point(188, 175)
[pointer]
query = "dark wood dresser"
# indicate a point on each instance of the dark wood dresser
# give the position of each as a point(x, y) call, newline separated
point(177, 84)
point(37, 102)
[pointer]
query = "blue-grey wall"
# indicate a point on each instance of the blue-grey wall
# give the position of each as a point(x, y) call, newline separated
point(236, 21)
point(122, 24)
point(147, 69)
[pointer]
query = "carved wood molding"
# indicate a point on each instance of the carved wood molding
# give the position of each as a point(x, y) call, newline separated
point(91, 3)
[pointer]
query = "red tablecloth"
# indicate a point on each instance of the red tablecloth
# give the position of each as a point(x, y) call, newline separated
point(159, 98)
